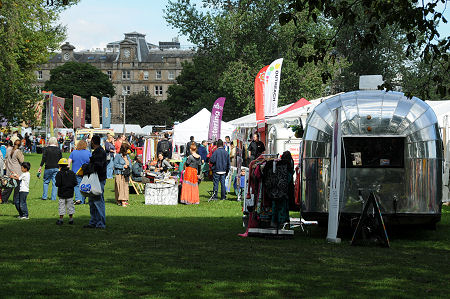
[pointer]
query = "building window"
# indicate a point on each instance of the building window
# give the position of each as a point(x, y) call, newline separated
point(109, 73)
point(146, 90)
point(39, 75)
point(158, 75)
point(126, 90)
point(145, 75)
point(158, 90)
point(171, 75)
point(126, 75)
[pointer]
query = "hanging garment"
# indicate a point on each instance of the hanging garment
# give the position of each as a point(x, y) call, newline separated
point(279, 187)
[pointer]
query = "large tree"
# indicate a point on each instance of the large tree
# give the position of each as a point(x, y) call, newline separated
point(417, 20)
point(235, 40)
point(28, 34)
point(82, 79)
point(154, 113)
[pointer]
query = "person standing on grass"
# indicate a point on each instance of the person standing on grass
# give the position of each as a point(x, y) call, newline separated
point(13, 164)
point(66, 182)
point(118, 143)
point(189, 187)
point(220, 161)
point(50, 158)
point(110, 151)
point(203, 152)
point(122, 170)
point(97, 164)
point(78, 158)
point(24, 188)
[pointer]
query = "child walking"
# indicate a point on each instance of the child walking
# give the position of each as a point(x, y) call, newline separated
point(24, 180)
point(66, 182)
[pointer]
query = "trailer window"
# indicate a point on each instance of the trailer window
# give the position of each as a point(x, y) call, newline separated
point(373, 152)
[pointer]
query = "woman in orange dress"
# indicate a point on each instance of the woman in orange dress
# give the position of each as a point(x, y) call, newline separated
point(189, 188)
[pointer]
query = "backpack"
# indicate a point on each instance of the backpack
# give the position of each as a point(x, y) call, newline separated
point(165, 146)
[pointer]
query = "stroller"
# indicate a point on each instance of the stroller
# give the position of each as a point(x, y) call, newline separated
point(6, 183)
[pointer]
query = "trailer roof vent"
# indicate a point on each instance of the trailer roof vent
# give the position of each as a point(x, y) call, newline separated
point(370, 82)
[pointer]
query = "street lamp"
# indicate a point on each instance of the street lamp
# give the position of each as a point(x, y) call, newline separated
point(124, 94)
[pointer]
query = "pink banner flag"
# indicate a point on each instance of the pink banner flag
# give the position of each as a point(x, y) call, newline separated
point(83, 113)
point(216, 120)
point(58, 112)
point(259, 94)
point(76, 112)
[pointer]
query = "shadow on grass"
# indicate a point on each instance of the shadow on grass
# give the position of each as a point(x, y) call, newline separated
point(203, 257)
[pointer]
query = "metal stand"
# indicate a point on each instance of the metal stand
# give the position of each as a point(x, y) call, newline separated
point(370, 226)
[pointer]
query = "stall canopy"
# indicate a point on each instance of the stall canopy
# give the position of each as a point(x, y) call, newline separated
point(299, 109)
point(249, 121)
point(198, 126)
point(299, 104)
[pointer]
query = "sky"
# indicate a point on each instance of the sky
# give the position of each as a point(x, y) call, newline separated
point(94, 23)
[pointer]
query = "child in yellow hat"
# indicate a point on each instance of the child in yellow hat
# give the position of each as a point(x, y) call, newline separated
point(66, 182)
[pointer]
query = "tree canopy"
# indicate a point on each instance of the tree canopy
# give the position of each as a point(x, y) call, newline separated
point(28, 34)
point(414, 21)
point(235, 40)
point(81, 79)
point(157, 113)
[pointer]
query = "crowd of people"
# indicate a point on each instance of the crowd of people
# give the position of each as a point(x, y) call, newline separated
point(113, 161)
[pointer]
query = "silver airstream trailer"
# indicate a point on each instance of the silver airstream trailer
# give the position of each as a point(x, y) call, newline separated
point(391, 145)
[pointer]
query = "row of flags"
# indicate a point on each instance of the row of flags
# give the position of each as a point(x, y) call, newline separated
point(267, 85)
point(57, 113)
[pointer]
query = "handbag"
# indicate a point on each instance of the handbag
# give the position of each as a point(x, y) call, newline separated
point(90, 185)
point(126, 172)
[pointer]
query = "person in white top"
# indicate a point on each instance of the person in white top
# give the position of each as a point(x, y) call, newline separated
point(21, 201)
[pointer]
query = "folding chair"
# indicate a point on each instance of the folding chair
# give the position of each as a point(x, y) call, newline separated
point(138, 187)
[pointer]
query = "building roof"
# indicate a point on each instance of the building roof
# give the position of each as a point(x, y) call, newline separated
point(145, 52)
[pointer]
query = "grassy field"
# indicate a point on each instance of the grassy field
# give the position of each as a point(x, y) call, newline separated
point(194, 251)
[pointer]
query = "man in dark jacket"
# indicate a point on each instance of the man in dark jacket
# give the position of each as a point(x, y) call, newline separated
point(256, 148)
point(97, 164)
point(165, 147)
point(50, 158)
point(220, 161)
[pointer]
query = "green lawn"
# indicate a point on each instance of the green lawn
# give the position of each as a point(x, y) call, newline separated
point(194, 251)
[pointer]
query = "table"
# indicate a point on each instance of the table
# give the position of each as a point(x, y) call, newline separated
point(161, 193)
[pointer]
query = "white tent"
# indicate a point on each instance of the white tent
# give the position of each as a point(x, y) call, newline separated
point(441, 109)
point(118, 129)
point(147, 130)
point(198, 126)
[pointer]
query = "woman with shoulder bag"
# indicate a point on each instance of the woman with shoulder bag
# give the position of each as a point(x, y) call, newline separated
point(13, 163)
point(122, 164)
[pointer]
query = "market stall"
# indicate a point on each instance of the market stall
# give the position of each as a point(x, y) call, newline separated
point(197, 126)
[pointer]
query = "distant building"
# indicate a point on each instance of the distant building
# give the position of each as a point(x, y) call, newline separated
point(133, 65)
